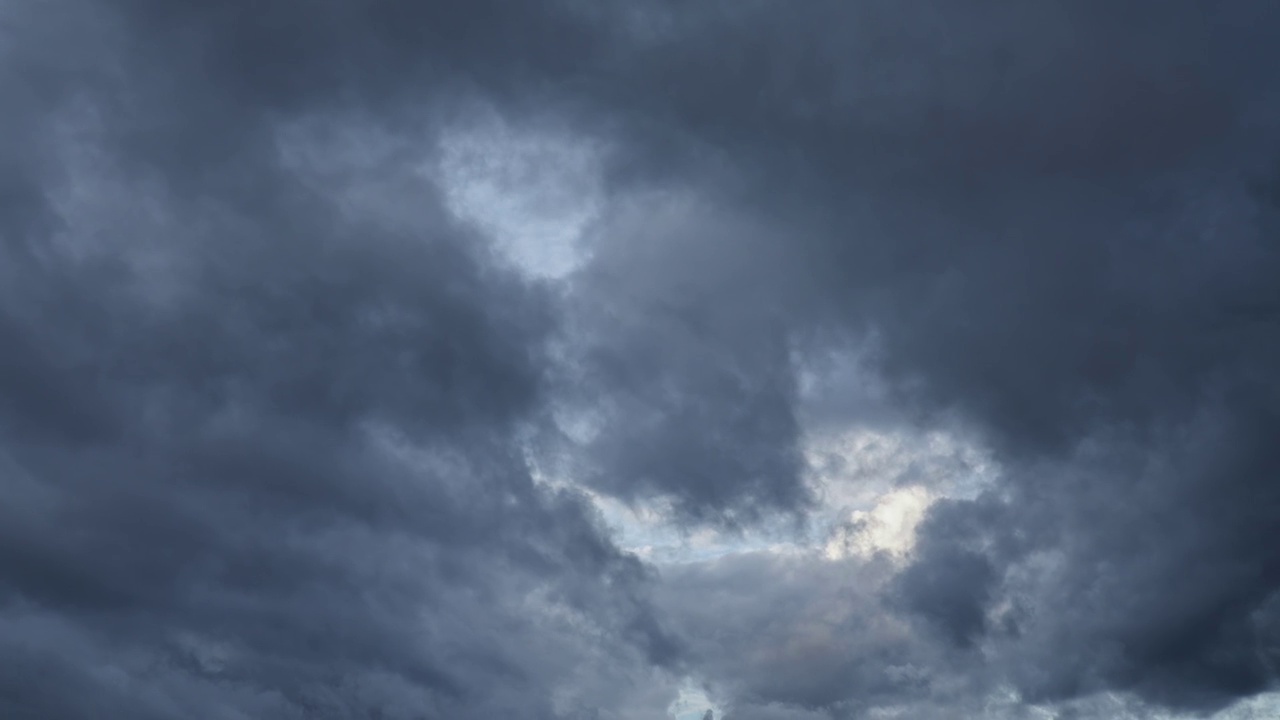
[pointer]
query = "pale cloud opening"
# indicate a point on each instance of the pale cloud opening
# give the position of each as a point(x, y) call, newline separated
point(535, 193)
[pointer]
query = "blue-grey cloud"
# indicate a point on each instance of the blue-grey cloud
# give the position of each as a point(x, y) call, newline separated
point(266, 454)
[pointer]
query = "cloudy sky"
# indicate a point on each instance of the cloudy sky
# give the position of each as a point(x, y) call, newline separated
point(639, 359)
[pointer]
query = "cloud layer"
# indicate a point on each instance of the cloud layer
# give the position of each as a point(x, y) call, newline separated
point(335, 337)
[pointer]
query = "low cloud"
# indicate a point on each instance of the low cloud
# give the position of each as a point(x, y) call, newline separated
point(337, 338)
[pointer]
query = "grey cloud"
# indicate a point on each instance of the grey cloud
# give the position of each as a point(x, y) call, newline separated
point(850, 135)
point(802, 635)
point(1075, 264)
point(262, 455)
point(684, 369)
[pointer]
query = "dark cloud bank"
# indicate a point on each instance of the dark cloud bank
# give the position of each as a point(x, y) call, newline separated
point(263, 456)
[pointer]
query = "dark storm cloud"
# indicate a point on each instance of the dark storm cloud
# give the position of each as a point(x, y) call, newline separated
point(262, 455)
point(799, 633)
point(1046, 221)
point(685, 370)
point(983, 187)
point(265, 454)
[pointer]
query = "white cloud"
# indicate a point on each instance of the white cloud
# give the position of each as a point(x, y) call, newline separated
point(692, 703)
point(889, 526)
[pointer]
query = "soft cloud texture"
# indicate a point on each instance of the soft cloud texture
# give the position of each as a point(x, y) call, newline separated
point(338, 338)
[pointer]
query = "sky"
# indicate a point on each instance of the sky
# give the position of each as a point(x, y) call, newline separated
point(631, 360)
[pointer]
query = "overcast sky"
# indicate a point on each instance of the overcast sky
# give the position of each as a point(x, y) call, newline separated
point(639, 359)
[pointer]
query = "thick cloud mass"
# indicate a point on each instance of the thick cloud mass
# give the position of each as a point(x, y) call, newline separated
point(282, 435)
point(261, 452)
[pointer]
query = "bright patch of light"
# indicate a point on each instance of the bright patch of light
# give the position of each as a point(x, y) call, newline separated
point(1258, 707)
point(889, 526)
point(646, 530)
point(855, 467)
point(874, 480)
point(692, 703)
point(876, 486)
point(534, 194)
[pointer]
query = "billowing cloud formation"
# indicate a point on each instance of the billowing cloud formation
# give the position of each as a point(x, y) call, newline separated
point(296, 421)
point(262, 447)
